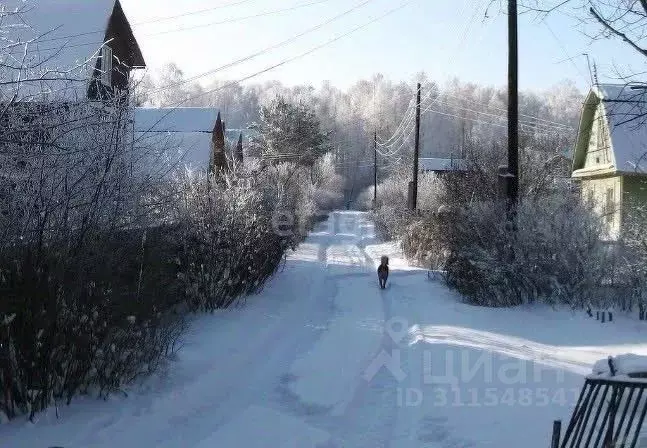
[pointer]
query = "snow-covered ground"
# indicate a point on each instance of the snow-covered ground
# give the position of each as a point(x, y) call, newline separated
point(323, 358)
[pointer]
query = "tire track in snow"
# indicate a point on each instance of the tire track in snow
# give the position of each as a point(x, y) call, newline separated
point(370, 417)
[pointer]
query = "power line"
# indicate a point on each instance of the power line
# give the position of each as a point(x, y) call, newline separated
point(286, 61)
point(409, 123)
point(459, 47)
point(556, 123)
point(305, 53)
point(523, 123)
point(474, 119)
point(559, 42)
point(196, 12)
point(407, 120)
point(540, 124)
point(222, 22)
point(264, 50)
point(191, 13)
point(537, 124)
point(428, 108)
point(238, 19)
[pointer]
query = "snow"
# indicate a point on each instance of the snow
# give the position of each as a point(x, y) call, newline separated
point(266, 428)
point(625, 109)
point(314, 384)
point(625, 364)
point(323, 358)
point(64, 23)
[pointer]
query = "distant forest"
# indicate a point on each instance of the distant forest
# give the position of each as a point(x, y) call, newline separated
point(455, 112)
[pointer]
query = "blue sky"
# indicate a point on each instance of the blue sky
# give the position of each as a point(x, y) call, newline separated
point(443, 38)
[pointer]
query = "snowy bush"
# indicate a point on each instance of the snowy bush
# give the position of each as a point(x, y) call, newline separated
point(419, 234)
point(390, 212)
point(630, 260)
point(327, 184)
point(97, 265)
point(552, 253)
point(426, 240)
point(228, 246)
point(75, 256)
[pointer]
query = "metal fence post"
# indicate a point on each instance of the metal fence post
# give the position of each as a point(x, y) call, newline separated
point(557, 430)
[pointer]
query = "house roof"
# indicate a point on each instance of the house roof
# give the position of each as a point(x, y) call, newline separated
point(190, 149)
point(180, 119)
point(625, 108)
point(440, 164)
point(184, 134)
point(66, 35)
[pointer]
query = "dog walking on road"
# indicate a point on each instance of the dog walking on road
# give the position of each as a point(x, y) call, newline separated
point(383, 271)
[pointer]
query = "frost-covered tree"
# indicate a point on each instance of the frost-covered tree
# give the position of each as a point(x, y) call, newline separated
point(289, 132)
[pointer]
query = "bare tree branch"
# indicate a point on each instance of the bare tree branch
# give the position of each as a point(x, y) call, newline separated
point(613, 30)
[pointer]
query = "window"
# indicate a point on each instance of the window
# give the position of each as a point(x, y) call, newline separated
point(600, 137)
point(609, 207)
point(106, 66)
point(591, 196)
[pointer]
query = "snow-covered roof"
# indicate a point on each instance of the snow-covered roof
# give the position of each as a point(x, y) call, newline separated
point(185, 132)
point(181, 119)
point(65, 34)
point(625, 109)
point(182, 131)
point(192, 149)
point(440, 164)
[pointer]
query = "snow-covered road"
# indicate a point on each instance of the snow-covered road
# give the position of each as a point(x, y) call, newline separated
point(323, 358)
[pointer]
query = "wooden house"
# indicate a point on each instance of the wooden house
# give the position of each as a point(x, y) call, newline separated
point(610, 157)
point(77, 49)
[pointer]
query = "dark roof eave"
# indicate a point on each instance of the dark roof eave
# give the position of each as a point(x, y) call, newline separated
point(136, 59)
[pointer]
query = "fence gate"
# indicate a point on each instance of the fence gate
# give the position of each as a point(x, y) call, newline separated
point(609, 414)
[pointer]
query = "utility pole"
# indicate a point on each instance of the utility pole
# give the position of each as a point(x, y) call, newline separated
point(375, 168)
point(513, 107)
point(416, 155)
